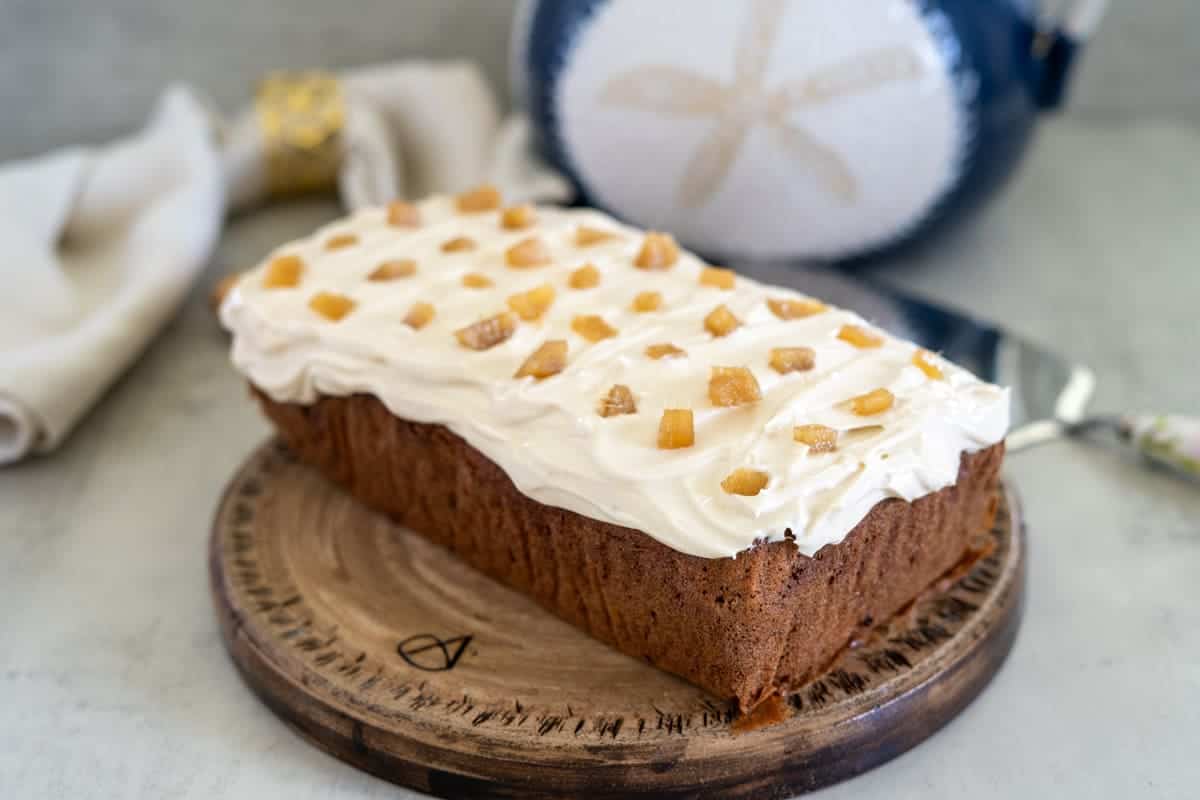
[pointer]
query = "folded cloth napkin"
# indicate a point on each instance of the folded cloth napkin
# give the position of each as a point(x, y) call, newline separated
point(103, 245)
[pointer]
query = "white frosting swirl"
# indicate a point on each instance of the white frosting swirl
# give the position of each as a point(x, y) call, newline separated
point(547, 435)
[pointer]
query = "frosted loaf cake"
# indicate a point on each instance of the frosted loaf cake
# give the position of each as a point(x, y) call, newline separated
point(719, 476)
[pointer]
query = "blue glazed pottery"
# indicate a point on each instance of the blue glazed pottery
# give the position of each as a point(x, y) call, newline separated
point(790, 129)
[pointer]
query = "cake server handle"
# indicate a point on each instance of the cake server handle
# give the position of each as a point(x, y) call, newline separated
point(1172, 440)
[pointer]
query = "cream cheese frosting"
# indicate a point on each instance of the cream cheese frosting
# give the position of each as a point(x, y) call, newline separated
point(547, 435)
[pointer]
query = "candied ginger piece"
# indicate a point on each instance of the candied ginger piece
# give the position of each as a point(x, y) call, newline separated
point(391, 270)
point(666, 350)
point(873, 402)
point(789, 308)
point(420, 315)
point(403, 215)
point(549, 359)
point(283, 272)
point(819, 438)
point(481, 198)
point(586, 236)
point(792, 359)
point(618, 401)
point(517, 217)
point(531, 252)
point(746, 482)
point(721, 321)
point(586, 277)
point(718, 277)
point(532, 304)
point(474, 280)
point(593, 327)
point(921, 361)
point(647, 301)
point(676, 429)
point(733, 386)
point(341, 241)
point(659, 251)
point(487, 333)
point(860, 337)
point(459, 244)
point(331, 305)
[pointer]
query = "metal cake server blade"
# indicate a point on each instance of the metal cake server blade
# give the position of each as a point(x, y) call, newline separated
point(1050, 394)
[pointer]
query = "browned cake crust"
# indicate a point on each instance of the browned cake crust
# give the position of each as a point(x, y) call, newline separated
point(745, 628)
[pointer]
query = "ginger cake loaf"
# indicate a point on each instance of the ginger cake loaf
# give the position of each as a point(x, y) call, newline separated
point(721, 477)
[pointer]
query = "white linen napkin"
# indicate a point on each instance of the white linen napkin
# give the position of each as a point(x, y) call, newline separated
point(103, 245)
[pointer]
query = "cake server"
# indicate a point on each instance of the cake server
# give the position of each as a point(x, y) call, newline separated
point(1050, 394)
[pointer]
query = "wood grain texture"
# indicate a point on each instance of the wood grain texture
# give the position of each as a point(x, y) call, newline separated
point(381, 648)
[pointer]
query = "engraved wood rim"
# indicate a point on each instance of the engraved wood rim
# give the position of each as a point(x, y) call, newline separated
point(387, 652)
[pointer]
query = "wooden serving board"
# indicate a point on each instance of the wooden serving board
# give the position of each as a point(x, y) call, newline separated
point(389, 653)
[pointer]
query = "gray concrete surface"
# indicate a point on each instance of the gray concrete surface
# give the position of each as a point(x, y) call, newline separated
point(113, 682)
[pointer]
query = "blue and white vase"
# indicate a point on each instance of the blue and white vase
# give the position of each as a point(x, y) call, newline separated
point(790, 129)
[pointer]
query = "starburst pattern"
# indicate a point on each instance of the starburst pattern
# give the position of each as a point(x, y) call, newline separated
point(738, 106)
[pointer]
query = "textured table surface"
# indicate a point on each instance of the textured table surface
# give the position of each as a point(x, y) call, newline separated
point(113, 681)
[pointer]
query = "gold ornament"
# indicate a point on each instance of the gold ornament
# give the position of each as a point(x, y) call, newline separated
point(301, 116)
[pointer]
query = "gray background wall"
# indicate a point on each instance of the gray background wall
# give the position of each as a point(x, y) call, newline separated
point(81, 71)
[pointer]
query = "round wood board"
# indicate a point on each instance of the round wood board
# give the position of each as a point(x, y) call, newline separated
point(386, 651)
